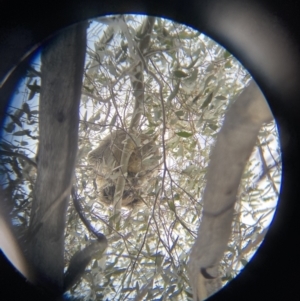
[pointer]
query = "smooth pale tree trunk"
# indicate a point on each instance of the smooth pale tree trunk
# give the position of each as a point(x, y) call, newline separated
point(234, 145)
point(61, 80)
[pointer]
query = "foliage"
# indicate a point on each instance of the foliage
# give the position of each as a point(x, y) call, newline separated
point(188, 83)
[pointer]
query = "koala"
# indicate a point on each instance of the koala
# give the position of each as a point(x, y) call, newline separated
point(142, 166)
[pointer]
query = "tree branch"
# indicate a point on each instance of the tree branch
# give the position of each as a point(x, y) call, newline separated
point(61, 77)
point(138, 88)
point(229, 156)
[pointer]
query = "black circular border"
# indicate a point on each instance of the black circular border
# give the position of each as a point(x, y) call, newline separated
point(273, 272)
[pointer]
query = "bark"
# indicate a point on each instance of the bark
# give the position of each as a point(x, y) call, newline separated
point(138, 93)
point(61, 76)
point(81, 259)
point(233, 148)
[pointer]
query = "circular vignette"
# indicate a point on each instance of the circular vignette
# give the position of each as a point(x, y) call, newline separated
point(259, 34)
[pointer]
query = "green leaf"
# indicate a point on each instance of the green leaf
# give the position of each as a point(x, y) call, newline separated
point(114, 217)
point(226, 54)
point(189, 169)
point(207, 101)
point(175, 294)
point(188, 293)
point(113, 120)
point(95, 117)
point(137, 286)
point(180, 74)
point(150, 132)
point(157, 114)
point(159, 258)
point(19, 196)
point(128, 289)
point(21, 133)
point(176, 196)
point(171, 206)
point(184, 134)
point(35, 88)
point(196, 98)
point(22, 219)
point(174, 244)
point(186, 35)
point(15, 120)
point(209, 78)
point(95, 265)
point(26, 109)
point(148, 249)
point(173, 121)
point(228, 65)
point(220, 97)
point(179, 113)
point(174, 92)
point(212, 126)
point(91, 90)
point(118, 271)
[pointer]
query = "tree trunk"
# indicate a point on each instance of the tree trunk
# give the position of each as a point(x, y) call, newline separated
point(229, 157)
point(139, 94)
point(62, 71)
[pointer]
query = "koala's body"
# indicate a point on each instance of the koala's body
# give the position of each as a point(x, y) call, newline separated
point(142, 166)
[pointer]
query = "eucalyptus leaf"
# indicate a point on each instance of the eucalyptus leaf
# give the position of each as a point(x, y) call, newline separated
point(26, 109)
point(207, 101)
point(184, 134)
point(212, 126)
point(180, 74)
point(228, 65)
point(220, 97)
point(21, 133)
point(226, 54)
point(16, 120)
point(209, 79)
point(179, 113)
